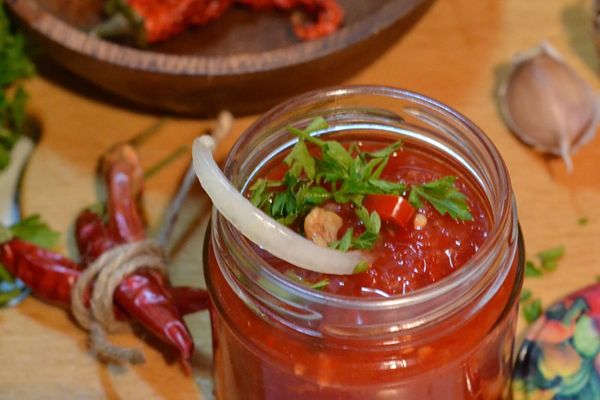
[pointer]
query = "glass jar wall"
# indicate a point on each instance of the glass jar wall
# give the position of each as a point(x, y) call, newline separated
point(277, 339)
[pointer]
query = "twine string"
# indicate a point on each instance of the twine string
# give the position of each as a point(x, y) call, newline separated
point(106, 273)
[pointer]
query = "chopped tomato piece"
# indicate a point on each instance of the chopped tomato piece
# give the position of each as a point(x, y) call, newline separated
point(391, 208)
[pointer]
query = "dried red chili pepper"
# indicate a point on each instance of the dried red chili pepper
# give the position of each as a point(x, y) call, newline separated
point(329, 17)
point(143, 293)
point(93, 239)
point(151, 21)
point(190, 299)
point(48, 274)
point(201, 12)
point(328, 14)
point(51, 275)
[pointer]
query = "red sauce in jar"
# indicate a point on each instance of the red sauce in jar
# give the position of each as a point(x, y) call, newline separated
point(464, 356)
point(406, 259)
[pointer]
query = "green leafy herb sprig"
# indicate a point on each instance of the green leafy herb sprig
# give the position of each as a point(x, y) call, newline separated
point(444, 196)
point(319, 285)
point(548, 262)
point(366, 240)
point(350, 175)
point(14, 67)
point(31, 229)
point(531, 307)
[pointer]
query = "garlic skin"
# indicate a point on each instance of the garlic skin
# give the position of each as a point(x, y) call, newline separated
point(547, 105)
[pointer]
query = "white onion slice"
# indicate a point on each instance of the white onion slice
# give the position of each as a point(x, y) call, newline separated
point(261, 229)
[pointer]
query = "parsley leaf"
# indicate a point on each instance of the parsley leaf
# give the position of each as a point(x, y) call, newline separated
point(525, 295)
point(259, 194)
point(372, 223)
point(548, 262)
point(549, 258)
point(345, 242)
point(297, 198)
point(319, 285)
point(31, 229)
point(366, 240)
point(386, 151)
point(444, 196)
point(14, 66)
point(361, 267)
point(532, 310)
point(300, 160)
point(317, 124)
point(531, 270)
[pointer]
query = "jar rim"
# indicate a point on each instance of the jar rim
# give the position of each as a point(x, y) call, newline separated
point(471, 271)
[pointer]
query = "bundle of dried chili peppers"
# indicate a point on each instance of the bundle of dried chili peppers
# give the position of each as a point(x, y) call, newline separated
point(144, 295)
point(151, 21)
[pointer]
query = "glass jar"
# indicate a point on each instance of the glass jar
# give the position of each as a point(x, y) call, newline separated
point(276, 339)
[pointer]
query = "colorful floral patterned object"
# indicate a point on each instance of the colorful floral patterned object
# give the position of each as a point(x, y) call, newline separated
point(560, 357)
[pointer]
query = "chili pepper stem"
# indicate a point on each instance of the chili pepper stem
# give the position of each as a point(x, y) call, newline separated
point(117, 26)
point(153, 170)
point(147, 133)
point(128, 23)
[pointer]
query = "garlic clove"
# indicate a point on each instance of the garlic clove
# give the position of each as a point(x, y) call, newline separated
point(547, 105)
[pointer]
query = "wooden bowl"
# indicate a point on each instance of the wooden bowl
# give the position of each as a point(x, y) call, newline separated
point(246, 61)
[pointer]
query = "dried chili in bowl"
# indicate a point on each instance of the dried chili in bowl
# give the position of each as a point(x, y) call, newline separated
point(152, 21)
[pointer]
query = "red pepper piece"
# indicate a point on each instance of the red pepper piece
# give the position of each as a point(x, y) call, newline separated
point(49, 275)
point(391, 208)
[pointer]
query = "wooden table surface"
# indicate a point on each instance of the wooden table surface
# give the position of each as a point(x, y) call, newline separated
point(455, 52)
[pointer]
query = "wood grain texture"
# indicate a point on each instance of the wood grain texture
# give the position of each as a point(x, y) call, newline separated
point(224, 64)
point(454, 53)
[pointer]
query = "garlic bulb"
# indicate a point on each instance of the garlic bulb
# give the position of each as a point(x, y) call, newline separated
point(547, 105)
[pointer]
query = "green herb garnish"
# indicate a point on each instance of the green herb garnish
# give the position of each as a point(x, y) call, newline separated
point(532, 310)
point(531, 270)
point(346, 176)
point(14, 67)
point(548, 262)
point(549, 258)
point(365, 240)
point(31, 229)
point(444, 196)
point(319, 285)
point(525, 295)
point(361, 267)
